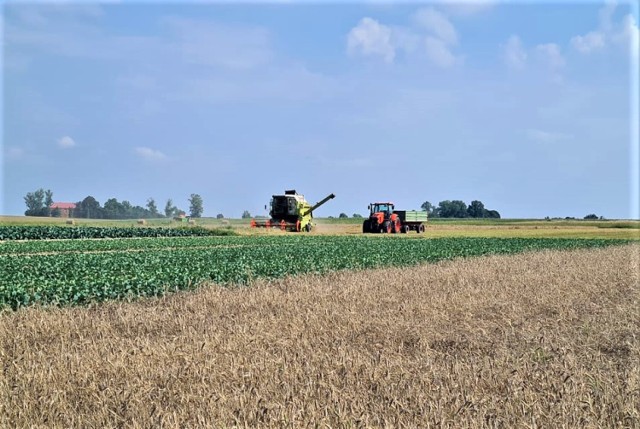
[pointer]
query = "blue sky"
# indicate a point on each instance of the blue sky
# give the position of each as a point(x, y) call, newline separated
point(526, 107)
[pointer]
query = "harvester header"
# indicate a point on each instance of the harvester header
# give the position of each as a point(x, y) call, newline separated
point(290, 212)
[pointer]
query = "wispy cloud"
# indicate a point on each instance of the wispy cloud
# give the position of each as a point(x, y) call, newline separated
point(216, 44)
point(370, 38)
point(588, 43)
point(515, 55)
point(541, 136)
point(431, 35)
point(14, 152)
point(66, 142)
point(551, 57)
point(150, 154)
point(608, 32)
point(437, 24)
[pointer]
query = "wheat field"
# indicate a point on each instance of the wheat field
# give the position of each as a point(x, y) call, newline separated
point(547, 339)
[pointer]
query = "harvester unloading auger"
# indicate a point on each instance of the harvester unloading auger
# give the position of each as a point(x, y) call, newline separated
point(290, 212)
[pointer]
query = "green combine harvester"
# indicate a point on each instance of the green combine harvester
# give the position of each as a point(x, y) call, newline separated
point(290, 212)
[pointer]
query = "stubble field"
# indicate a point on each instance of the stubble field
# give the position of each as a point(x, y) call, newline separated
point(544, 339)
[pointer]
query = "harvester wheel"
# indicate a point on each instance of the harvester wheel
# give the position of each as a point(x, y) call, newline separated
point(307, 227)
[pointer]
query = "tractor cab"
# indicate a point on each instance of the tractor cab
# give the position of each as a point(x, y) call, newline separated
point(386, 208)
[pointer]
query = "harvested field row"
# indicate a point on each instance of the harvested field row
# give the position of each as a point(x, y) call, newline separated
point(545, 339)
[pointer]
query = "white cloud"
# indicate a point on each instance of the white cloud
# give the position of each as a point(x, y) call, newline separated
point(551, 54)
point(370, 38)
point(437, 24)
point(432, 36)
point(438, 52)
point(14, 152)
point(66, 142)
point(591, 41)
point(541, 136)
point(217, 44)
point(629, 34)
point(514, 54)
point(623, 33)
point(150, 154)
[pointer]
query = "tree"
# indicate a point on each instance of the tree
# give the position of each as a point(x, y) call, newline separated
point(169, 208)
point(455, 208)
point(127, 210)
point(195, 205)
point(34, 202)
point(89, 208)
point(591, 216)
point(153, 209)
point(492, 214)
point(343, 216)
point(356, 216)
point(219, 216)
point(113, 209)
point(476, 209)
point(48, 201)
point(246, 214)
point(427, 207)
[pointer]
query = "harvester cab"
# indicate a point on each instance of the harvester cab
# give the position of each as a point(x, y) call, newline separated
point(290, 212)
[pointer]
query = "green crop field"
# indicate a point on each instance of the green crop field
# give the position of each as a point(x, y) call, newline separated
point(81, 271)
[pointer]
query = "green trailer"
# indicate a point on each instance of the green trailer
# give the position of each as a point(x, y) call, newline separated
point(412, 220)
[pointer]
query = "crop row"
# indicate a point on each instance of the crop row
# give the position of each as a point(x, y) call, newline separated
point(91, 245)
point(42, 232)
point(80, 278)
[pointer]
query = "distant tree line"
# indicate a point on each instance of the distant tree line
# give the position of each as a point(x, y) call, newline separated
point(459, 209)
point(39, 204)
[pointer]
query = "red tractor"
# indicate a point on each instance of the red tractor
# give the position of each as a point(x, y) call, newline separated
point(381, 219)
point(384, 219)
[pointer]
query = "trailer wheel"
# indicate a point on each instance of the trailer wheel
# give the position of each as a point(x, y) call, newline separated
point(420, 228)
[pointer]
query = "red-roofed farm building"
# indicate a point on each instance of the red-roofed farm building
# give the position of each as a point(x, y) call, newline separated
point(65, 209)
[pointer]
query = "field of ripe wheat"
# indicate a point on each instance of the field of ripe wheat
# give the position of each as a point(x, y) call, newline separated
point(544, 339)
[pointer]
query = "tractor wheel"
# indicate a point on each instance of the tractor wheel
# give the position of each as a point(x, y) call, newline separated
point(395, 227)
point(387, 227)
point(366, 226)
point(405, 229)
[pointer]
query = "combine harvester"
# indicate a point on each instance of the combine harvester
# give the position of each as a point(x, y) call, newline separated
point(384, 219)
point(290, 212)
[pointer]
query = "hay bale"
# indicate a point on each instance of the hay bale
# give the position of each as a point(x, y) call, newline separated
point(192, 222)
point(226, 222)
point(142, 222)
point(70, 222)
